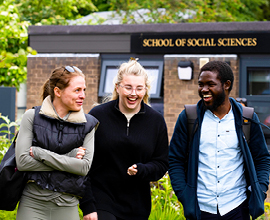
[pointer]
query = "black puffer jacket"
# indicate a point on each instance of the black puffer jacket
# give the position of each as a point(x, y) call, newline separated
point(60, 137)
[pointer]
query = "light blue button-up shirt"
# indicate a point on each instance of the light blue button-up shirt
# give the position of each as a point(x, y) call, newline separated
point(221, 180)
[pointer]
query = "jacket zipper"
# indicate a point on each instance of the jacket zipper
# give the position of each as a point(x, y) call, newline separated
point(128, 121)
point(127, 127)
point(60, 134)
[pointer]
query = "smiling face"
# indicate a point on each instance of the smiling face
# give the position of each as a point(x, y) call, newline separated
point(71, 98)
point(130, 101)
point(211, 90)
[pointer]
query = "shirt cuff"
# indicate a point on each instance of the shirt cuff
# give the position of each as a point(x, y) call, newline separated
point(88, 208)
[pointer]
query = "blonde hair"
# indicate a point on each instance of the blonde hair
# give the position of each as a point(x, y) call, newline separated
point(132, 67)
point(60, 77)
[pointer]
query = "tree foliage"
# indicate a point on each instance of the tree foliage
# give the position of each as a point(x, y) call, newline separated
point(101, 5)
point(13, 46)
point(48, 12)
point(17, 15)
point(228, 10)
point(174, 11)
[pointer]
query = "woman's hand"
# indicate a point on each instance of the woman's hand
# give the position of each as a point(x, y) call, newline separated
point(132, 170)
point(91, 216)
point(31, 152)
point(80, 153)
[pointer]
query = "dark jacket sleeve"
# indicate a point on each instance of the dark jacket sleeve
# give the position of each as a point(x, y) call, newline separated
point(177, 155)
point(260, 154)
point(87, 203)
point(158, 165)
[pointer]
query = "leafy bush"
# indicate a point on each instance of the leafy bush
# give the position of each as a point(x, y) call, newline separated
point(8, 215)
point(6, 136)
point(13, 46)
point(266, 212)
point(165, 205)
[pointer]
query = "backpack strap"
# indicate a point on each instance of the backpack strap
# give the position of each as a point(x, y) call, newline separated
point(192, 125)
point(247, 114)
point(191, 112)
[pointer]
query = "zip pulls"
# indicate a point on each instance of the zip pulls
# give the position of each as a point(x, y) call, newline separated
point(60, 132)
point(129, 117)
point(128, 126)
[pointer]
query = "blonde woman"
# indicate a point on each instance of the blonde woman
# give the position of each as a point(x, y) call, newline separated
point(131, 149)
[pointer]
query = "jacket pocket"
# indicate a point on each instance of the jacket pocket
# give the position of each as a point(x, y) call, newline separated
point(189, 201)
point(256, 201)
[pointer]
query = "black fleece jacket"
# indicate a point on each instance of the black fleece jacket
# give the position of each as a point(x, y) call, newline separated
point(117, 147)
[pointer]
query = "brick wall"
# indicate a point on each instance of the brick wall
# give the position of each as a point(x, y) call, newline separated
point(178, 92)
point(40, 68)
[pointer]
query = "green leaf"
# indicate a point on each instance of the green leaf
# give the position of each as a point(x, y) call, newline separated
point(3, 125)
point(13, 124)
point(5, 118)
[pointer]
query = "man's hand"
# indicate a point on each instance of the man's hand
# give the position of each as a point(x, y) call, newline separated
point(91, 216)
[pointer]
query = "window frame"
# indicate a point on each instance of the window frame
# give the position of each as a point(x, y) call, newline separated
point(245, 63)
point(106, 63)
point(257, 101)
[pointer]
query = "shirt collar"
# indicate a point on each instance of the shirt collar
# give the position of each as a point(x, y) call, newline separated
point(48, 109)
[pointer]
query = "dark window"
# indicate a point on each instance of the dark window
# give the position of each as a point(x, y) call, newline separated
point(109, 71)
point(258, 81)
point(255, 87)
point(152, 63)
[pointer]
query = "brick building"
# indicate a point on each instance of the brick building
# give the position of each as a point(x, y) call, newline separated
point(162, 48)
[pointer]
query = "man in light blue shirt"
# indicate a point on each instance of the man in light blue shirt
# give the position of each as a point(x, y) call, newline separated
point(221, 165)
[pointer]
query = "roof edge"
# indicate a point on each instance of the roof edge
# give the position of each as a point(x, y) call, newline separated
point(258, 26)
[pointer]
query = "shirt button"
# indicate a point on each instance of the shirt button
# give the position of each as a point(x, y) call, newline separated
point(218, 181)
point(218, 135)
point(217, 166)
point(217, 195)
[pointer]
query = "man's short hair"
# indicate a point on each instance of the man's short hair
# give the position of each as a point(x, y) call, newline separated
point(223, 70)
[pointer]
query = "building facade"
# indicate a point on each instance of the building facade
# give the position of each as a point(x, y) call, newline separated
point(172, 53)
